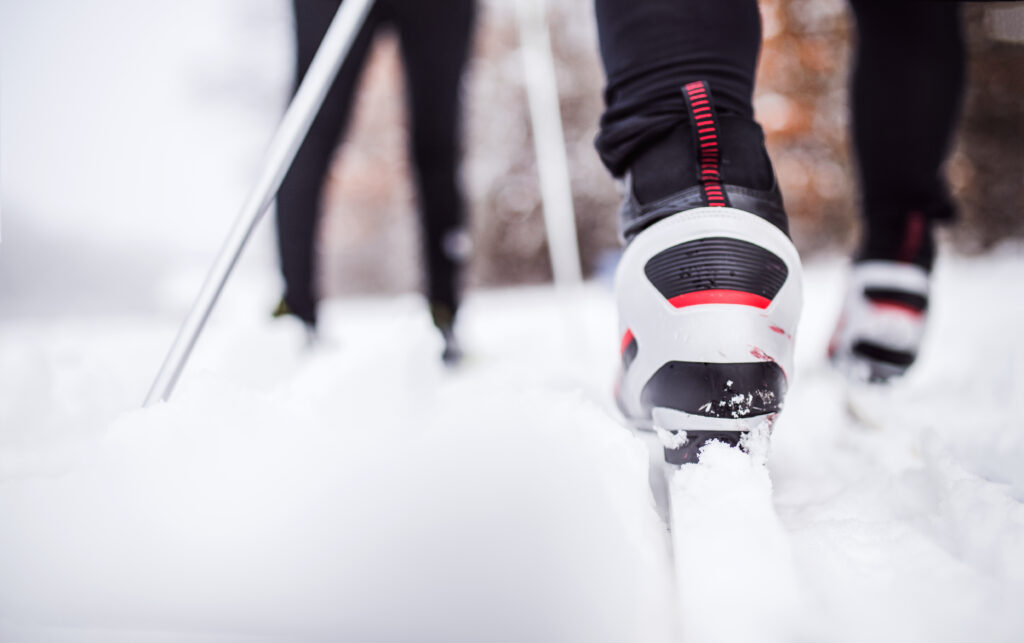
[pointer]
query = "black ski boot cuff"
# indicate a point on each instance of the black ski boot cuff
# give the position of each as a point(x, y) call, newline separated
point(664, 179)
point(709, 160)
point(905, 236)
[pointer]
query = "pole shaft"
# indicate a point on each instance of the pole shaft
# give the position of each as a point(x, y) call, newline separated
point(549, 141)
point(281, 152)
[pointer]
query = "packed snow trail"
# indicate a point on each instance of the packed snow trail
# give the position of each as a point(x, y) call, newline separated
point(734, 568)
point(910, 527)
point(361, 492)
point(316, 494)
point(285, 495)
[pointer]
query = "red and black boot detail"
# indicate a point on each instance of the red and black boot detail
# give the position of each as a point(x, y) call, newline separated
point(883, 320)
point(709, 297)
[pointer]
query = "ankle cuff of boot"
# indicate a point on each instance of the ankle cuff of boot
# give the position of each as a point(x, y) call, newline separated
point(905, 238)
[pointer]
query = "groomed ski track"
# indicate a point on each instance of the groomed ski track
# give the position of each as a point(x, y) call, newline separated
point(359, 491)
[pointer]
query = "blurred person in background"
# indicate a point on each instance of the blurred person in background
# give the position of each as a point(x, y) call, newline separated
point(708, 288)
point(434, 37)
point(907, 90)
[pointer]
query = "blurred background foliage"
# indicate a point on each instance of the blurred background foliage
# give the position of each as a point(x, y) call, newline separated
point(369, 236)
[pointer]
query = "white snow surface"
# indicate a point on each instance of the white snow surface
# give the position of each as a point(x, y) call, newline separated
point(358, 490)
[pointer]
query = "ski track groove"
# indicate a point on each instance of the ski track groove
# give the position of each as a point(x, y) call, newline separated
point(903, 522)
point(357, 491)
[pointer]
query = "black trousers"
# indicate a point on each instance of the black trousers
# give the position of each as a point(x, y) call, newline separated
point(434, 37)
point(907, 84)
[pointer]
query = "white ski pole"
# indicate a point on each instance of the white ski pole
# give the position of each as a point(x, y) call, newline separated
point(549, 142)
point(279, 156)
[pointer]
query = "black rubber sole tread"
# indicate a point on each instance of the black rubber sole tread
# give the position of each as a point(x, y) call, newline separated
point(718, 390)
point(884, 354)
point(715, 263)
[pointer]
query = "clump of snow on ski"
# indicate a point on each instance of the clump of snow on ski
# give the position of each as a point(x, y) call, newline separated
point(735, 572)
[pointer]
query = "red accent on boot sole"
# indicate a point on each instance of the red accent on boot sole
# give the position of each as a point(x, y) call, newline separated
point(720, 297)
point(896, 307)
point(626, 339)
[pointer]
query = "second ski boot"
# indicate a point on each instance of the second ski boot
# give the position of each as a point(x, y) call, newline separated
point(709, 294)
point(882, 322)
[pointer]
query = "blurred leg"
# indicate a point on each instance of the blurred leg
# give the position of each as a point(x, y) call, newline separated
point(908, 81)
point(435, 37)
point(298, 200)
point(907, 84)
point(651, 50)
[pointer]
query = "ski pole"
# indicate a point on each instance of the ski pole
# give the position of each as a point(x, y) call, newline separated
point(279, 156)
point(553, 168)
point(549, 141)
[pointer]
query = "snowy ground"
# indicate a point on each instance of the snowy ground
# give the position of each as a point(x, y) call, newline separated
point(359, 491)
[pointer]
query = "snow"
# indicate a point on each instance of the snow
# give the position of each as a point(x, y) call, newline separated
point(325, 493)
point(358, 490)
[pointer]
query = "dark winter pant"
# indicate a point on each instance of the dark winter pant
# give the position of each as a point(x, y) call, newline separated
point(907, 83)
point(434, 36)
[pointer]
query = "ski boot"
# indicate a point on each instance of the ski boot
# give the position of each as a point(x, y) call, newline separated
point(444, 320)
point(882, 322)
point(709, 294)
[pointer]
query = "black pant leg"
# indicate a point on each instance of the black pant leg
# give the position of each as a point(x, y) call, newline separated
point(298, 200)
point(435, 36)
point(907, 89)
point(651, 48)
